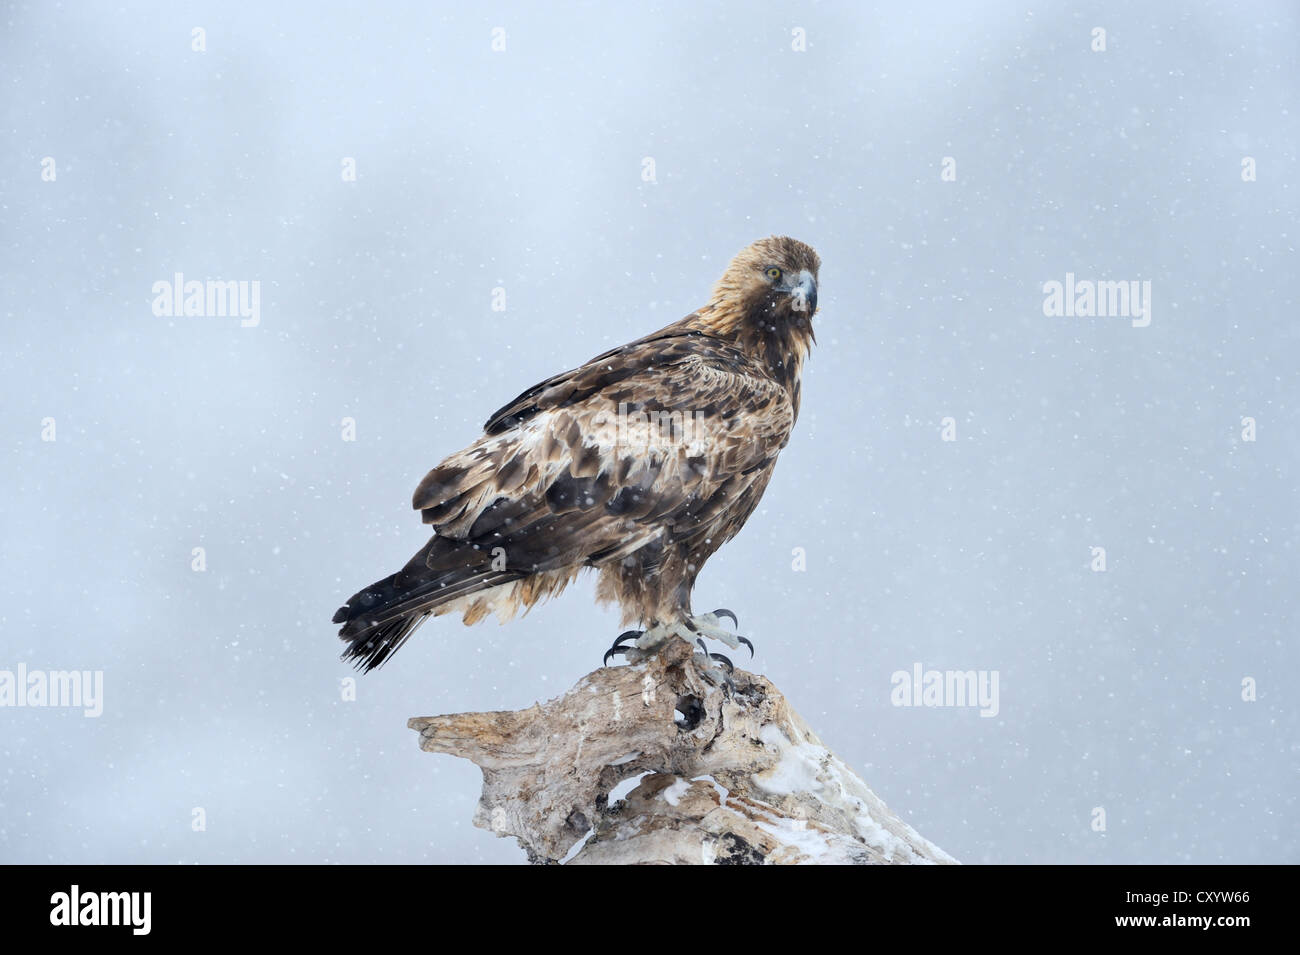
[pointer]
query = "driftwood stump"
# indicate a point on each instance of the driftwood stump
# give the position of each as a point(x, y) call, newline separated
point(727, 775)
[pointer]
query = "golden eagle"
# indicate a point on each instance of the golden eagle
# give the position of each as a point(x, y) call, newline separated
point(640, 464)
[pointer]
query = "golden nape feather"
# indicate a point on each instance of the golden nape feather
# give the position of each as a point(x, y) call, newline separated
point(639, 464)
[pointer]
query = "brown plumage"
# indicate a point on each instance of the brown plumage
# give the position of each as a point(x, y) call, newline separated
point(640, 463)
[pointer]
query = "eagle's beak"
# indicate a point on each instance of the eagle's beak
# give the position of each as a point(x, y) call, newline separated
point(804, 293)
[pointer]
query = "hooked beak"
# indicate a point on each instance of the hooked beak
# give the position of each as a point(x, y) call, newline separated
point(804, 293)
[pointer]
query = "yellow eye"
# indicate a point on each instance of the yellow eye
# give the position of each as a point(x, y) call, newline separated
point(773, 273)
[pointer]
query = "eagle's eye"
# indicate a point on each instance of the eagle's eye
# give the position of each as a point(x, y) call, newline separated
point(773, 273)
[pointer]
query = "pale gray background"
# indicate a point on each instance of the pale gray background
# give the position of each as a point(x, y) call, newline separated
point(522, 168)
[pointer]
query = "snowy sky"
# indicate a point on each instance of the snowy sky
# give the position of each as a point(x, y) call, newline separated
point(127, 156)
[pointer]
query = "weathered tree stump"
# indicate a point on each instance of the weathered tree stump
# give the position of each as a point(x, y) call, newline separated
point(729, 775)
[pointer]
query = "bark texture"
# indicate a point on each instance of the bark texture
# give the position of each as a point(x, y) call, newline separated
point(724, 775)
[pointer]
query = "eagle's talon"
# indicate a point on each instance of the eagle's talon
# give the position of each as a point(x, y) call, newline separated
point(618, 645)
point(724, 612)
point(724, 670)
point(745, 641)
point(717, 657)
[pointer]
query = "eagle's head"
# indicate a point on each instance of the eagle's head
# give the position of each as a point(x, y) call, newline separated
point(766, 300)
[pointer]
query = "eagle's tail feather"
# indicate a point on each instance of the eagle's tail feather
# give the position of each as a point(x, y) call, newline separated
point(371, 648)
point(380, 618)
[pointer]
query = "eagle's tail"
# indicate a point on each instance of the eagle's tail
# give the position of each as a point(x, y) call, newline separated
point(380, 618)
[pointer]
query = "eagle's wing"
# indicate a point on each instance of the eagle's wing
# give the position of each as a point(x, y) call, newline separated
point(576, 471)
point(666, 347)
point(557, 483)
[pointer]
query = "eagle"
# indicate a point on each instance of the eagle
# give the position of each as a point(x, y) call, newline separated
point(639, 464)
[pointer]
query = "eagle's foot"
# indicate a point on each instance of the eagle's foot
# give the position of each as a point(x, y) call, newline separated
point(710, 625)
point(638, 645)
point(644, 644)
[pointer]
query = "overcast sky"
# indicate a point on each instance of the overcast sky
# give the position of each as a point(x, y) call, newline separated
point(946, 160)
